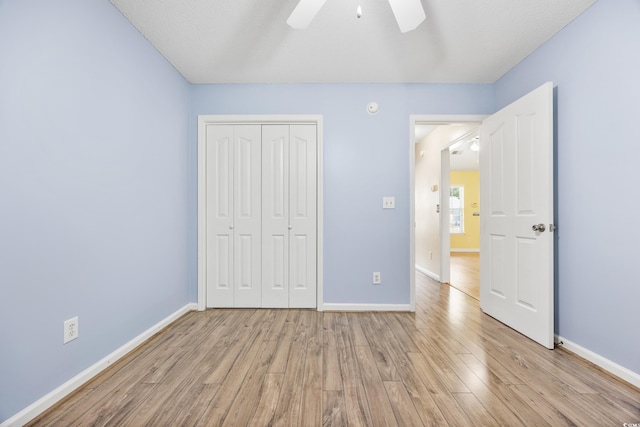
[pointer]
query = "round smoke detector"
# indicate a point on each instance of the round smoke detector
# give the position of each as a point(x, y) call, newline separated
point(372, 107)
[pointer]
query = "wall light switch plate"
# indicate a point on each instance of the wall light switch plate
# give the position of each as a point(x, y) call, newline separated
point(388, 202)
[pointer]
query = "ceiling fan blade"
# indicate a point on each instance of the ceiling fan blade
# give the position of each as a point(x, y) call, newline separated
point(409, 14)
point(304, 13)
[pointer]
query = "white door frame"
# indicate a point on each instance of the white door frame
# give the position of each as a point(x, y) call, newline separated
point(414, 119)
point(203, 121)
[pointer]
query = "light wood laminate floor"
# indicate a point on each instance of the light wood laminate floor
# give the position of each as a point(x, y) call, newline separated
point(446, 364)
point(465, 272)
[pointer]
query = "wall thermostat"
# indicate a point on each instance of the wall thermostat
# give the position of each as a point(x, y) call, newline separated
point(372, 107)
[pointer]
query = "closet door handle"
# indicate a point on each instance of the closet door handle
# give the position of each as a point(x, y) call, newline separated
point(231, 227)
point(290, 227)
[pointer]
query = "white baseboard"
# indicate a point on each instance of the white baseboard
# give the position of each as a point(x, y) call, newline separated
point(604, 363)
point(471, 250)
point(428, 273)
point(50, 399)
point(366, 307)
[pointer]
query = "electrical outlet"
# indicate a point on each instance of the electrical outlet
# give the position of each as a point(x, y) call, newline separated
point(70, 329)
point(388, 202)
point(376, 278)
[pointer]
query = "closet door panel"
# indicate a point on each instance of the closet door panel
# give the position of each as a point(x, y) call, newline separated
point(220, 211)
point(247, 223)
point(275, 213)
point(302, 216)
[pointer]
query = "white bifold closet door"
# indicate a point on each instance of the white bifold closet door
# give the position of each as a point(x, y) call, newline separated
point(289, 216)
point(234, 215)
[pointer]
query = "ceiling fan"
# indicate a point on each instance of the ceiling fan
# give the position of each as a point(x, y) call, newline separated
point(409, 13)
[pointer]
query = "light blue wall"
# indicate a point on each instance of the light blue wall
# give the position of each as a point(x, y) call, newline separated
point(366, 157)
point(93, 190)
point(595, 63)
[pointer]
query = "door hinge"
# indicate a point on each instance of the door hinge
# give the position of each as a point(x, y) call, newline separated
point(552, 227)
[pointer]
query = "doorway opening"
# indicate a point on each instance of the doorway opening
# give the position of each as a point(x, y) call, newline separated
point(433, 139)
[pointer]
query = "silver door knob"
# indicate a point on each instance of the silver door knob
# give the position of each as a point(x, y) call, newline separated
point(290, 227)
point(231, 227)
point(538, 227)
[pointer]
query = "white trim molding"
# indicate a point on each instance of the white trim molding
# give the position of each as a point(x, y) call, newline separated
point(53, 397)
point(366, 307)
point(203, 121)
point(598, 360)
point(428, 273)
point(466, 250)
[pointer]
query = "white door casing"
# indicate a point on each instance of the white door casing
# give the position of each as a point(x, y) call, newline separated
point(233, 215)
point(516, 179)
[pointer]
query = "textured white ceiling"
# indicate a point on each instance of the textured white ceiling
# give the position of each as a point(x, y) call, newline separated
point(248, 41)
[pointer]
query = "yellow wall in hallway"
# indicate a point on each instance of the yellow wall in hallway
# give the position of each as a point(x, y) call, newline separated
point(470, 239)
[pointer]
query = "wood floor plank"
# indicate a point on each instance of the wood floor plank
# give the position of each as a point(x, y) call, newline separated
point(332, 377)
point(329, 329)
point(198, 401)
point(226, 361)
point(475, 411)
point(281, 358)
point(383, 357)
point(232, 383)
point(421, 395)
point(509, 409)
point(443, 368)
point(403, 408)
point(268, 403)
point(334, 409)
point(242, 408)
point(355, 325)
point(552, 415)
point(312, 385)
point(289, 409)
point(446, 406)
point(377, 398)
point(402, 335)
point(277, 325)
point(174, 391)
point(357, 406)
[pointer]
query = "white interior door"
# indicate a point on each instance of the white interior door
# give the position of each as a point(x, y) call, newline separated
point(233, 215)
point(516, 179)
point(289, 216)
